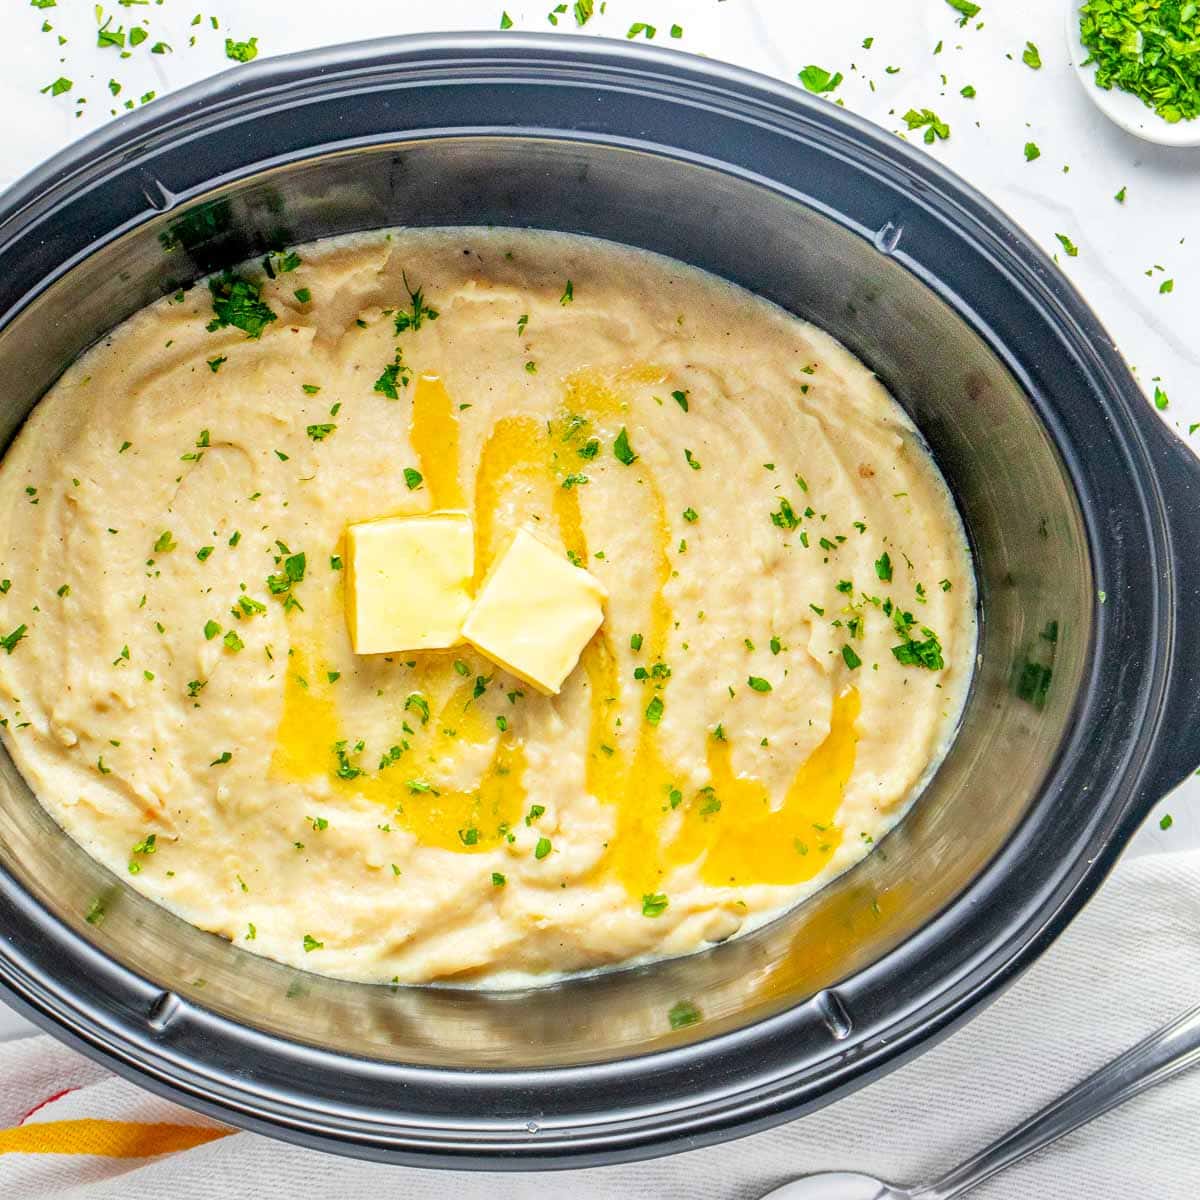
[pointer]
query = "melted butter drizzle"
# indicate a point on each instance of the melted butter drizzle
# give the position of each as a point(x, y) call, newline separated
point(443, 815)
point(433, 432)
point(746, 841)
point(739, 841)
point(742, 841)
point(417, 790)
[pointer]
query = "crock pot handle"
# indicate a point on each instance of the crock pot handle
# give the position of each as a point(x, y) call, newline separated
point(1178, 744)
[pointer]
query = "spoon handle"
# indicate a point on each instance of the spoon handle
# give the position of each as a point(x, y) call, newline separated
point(1167, 1052)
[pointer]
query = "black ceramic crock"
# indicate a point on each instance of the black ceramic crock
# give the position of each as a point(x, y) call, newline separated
point(1083, 512)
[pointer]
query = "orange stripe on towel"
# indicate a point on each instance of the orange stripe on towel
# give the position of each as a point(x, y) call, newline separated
point(113, 1139)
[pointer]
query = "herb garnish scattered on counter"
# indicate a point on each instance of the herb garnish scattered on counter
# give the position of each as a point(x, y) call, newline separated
point(241, 51)
point(818, 80)
point(965, 7)
point(928, 120)
point(1068, 245)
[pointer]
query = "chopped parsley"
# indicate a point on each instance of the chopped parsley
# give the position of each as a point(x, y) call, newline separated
point(654, 710)
point(542, 848)
point(1068, 245)
point(786, 517)
point(243, 52)
point(10, 640)
point(692, 461)
point(1032, 151)
point(883, 567)
point(691, 515)
point(622, 451)
point(164, 542)
point(281, 583)
point(928, 120)
point(568, 295)
point(654, 904)
point(311, 943)
point(237, 301)
point(680, 398)
point(818, 80)
point(395, 376)
point(758, 684)
point(966, 7)
point(498, 880)
point(913, 652)
point(417, 313)
point(1031, 58)
point(851, 658)
point(416, 703)
point(247, 606)
point(682, 1014)
point(319, 433)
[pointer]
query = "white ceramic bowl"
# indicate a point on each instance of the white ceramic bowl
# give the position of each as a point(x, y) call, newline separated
point(1123, 108)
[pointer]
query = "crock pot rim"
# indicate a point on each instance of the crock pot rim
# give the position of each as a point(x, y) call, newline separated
point(149, 1060)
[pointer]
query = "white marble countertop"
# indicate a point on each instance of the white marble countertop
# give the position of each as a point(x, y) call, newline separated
point(919, 57)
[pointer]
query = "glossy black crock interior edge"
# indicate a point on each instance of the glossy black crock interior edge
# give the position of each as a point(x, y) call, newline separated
point(125, 1043)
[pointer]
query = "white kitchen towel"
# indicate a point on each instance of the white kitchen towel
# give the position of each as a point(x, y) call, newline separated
point(1130, 963)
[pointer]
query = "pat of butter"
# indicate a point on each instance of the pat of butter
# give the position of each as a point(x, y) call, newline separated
point(408, 582)
point(535, 613)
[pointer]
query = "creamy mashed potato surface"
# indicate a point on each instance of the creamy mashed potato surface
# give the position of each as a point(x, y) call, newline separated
point(787, 639)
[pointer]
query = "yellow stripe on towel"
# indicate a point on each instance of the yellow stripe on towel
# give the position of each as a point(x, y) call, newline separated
point(112, 1139)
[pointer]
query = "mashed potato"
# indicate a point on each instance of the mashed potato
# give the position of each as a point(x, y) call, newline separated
point(787, 640)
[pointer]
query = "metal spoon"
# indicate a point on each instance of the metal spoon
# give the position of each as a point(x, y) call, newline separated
point(1171, 1050)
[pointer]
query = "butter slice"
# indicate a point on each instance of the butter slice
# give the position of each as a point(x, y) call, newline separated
point(535, 613)
point(408, 583)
